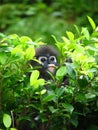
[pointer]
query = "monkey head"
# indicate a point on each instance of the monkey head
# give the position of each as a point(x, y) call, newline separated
point(47, 61)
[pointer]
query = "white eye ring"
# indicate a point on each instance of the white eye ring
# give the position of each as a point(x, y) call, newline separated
point(42, 59)
point(52, 59)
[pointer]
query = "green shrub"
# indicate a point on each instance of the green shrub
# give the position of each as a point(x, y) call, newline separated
point(61, 108)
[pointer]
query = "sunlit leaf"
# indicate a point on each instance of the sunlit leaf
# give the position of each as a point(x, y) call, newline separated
point(34, 76)
point(24, 39)
point(70, 35)
point(13, 39)
point(91, 22)
point(30, 52)
point(43, 91)
point(34, 81)
point(13, 129)
point(85, 33)
point(17, 51)
point(14, 36)
point(92, 48)
point(7, 120)
point(66, 40)
point(41, 81)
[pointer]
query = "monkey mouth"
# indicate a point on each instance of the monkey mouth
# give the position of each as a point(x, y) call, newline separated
point(51, 68)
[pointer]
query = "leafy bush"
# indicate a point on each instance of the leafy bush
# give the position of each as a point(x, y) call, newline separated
point(41, 19)
point(61, 108)
point(32, 21)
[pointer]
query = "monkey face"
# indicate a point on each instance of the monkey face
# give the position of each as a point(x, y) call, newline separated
point(47, 57)
point(48, 62)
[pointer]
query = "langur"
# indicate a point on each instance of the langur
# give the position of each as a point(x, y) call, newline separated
point(47, 61)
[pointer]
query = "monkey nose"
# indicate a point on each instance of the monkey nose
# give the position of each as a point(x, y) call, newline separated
point(51, 68)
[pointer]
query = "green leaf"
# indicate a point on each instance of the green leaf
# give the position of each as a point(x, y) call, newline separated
point(55, 39)
point(85, 32)
point(77, 29)
point(7, 120)
point(80, 97)
point(70, 35)
point(70, 70)
point(13, 129)
point(91, 22)
point(60, 91)
point(83, 81)
point(17, 51)
point(92, 48)
point(48, 98)
point(34, 76)
point(90, 95)
point(30, 52)
point(3, 58)
point(68, 107)
point(43, 91)
point(61, 72)
point(34, 81)
point(52, 109)
point(41, 81)
point(13, 39)
point(74, 120)
point(25, 39)
point(13, 36)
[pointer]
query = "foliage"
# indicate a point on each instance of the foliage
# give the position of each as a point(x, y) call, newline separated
point(43, 18)
point(61, 108)
point(32, 21)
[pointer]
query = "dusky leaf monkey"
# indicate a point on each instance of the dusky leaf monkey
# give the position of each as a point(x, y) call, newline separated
point(47, 63)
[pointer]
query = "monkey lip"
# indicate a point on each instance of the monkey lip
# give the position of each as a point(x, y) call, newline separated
point(51, 68)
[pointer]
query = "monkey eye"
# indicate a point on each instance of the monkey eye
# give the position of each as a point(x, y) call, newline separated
point(42, 59)
point(52, 58)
